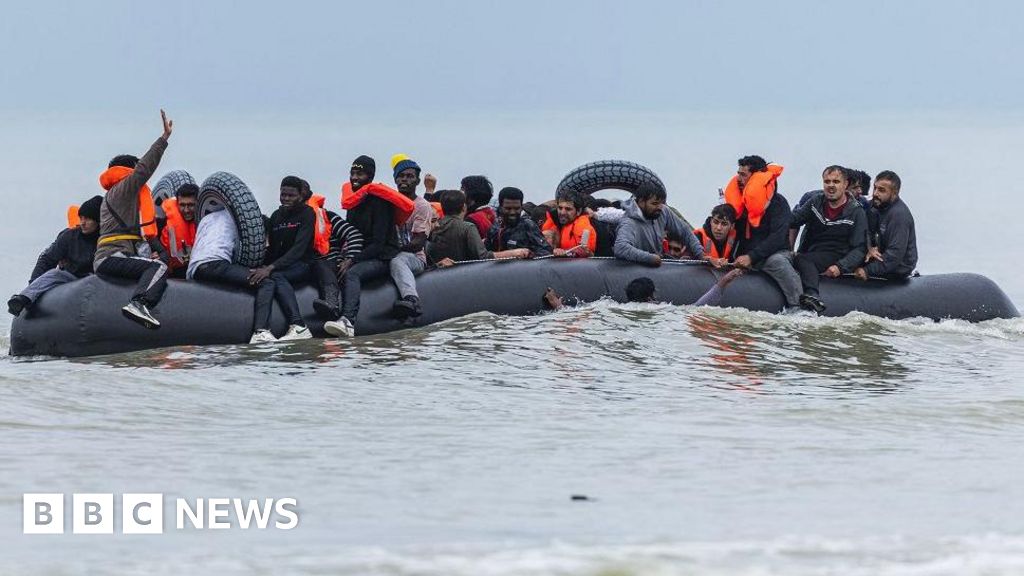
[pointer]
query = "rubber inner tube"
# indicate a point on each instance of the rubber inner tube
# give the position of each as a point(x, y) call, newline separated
point(223, 190)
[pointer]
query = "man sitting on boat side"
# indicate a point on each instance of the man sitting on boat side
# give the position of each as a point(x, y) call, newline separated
point(412, 258)
point(893, 241)
point(66, 260)
point(762, 225)
point(178, 232)
point(833, 242)
point(455, 240)
point(569, 230)
point(641, 231)
point(511, 231)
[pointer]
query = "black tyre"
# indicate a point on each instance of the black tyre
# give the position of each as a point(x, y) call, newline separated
point(223, 190)
point(608, 174)
point(168, 185)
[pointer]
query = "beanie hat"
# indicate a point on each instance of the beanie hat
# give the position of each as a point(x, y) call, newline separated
point(91, 208)
point(398, 158)
point(366, 164)
point(405, 165)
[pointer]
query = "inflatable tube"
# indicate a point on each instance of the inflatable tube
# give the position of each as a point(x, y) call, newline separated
point(84, 318)
point(223, 190)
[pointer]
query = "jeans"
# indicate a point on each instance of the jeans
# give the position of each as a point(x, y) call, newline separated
point(779, 267)
point(279, 287)
point(151, 274)
point(225, 272)
point(47, 281)
point(404, 269)
point(325, 271)
point(357, 274)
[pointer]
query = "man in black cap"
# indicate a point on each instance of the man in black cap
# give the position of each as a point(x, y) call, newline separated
point(66, 260)
point(374, 217)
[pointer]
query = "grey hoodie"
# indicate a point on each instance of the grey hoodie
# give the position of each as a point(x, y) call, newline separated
point(638, 239)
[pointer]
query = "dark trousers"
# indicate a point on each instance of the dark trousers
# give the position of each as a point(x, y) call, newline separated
point(279, 287)
point(327, 281)
point(810, 265)
point(360, 272)
point(224, 272)
point(151, 274)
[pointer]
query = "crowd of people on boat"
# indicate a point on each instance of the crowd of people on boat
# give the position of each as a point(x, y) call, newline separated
point(398, 233)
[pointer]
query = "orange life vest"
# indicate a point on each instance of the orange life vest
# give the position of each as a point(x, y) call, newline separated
point(178, 235)
point(322, 226)
point(754, 198)
point(403, 205)
point(147, 210)
point(438, 209)
point(571, 236)
point(708, 242)
point(73, 219)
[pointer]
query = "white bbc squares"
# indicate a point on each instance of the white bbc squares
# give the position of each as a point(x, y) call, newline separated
point(42, 514)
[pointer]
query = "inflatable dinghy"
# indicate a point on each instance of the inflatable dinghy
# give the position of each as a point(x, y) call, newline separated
point(84, 318)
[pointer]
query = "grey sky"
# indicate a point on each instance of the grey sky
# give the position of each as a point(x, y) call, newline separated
point(482, 55)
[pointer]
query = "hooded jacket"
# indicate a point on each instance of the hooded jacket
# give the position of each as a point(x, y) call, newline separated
point(638, 239)
point(121, 205)
point(73, 251)
point(897, 241)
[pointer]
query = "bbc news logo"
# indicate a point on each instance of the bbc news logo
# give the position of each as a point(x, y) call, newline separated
point(144, 513)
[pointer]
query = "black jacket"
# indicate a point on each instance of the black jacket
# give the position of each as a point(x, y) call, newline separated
point(72, 250)
point(768, 238)
point(375, 219)
point(525, 234)
point(846, 236)
point(291, 236)
point(895, 237)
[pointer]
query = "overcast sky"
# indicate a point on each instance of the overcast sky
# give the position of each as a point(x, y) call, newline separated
point(522, 55)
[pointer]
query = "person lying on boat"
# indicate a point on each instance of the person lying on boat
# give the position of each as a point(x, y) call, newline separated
point(512, 231)
point(67, 259)
point(834, 236)
point(893, 250)
point(411, 260)
point(455, 240)
point(568, 230)
point(641, 231)
point(178, 228)
point(762, 225)
point(718, 235)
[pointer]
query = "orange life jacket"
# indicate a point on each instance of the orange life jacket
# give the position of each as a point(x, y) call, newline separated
point(322, 227)
point(438, 209)
point(403, 205)
point(754, 198)
point(147, 210)
point(73, 219)
point(708, 242)
point(178, 235)
point(571, 236)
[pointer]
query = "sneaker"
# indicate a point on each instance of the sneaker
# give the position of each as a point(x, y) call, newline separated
point(325, 310)
point(262, 337)
point(296, 332)
point(340, 328)
point(137, 312)
point(812, 303)
point(17, 303)
point(407, 307)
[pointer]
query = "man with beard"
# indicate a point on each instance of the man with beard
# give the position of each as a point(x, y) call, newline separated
point(570, 232)
point(645, 223)
point(513, 232)
point(412, 258)
point(893, 251)
point(833, 243)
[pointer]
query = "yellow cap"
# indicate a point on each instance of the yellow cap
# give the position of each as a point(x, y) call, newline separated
point(398, 158)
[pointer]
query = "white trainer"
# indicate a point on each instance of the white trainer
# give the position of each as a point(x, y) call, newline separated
point(262, 337)
point(295, 332)
point(340, 328)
